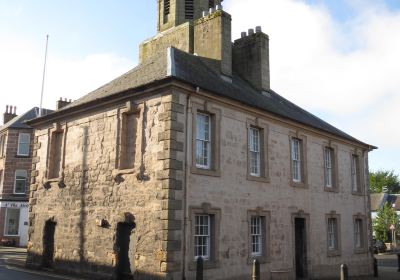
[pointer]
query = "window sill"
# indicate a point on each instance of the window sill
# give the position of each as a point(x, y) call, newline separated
point(47, 183)
point(331, 189)
point(360, 251)
point(261, 259)
point(22, 156)
point(207, 264)
point(301, 185)
point(262, 179)
point(206, 172)
point(335, 253)
point(119, 172)
point(357, 193)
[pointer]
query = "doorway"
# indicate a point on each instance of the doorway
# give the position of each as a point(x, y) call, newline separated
point(123, 268)
point(48, 244)
point(300, 248)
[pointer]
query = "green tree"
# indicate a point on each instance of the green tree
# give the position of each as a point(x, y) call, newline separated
point(386, 217)
point(384, 179)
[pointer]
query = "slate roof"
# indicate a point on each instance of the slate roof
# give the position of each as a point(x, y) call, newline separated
point(197, 71)
point(379, 199)
point(19, 121)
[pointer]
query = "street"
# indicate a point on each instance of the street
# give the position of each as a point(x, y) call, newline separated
point(12, 262)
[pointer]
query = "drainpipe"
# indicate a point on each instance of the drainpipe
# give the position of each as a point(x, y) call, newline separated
point(185, 183)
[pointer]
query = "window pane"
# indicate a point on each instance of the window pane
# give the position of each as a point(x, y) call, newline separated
point(12, 221)
point(354, 170)
point(328, 163)
point(202, 236)
point(254, 151)
point(358, 233)
point(23, 144)
point(20, 181)
point(203, 144)
point(296, 160)
point(332, 232)
point(256, 235)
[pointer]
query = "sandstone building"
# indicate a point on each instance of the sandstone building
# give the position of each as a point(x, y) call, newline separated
point(16, 140)
point(192, 154)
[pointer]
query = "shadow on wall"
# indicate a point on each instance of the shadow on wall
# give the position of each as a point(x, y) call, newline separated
point(89, 270)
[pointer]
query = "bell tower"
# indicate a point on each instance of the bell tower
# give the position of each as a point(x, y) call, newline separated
point(172, 13)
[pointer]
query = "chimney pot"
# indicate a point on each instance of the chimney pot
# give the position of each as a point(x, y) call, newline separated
point(258, 29)
point(219, 7)
point(251, 31)
point(6, 108)
point(15, 110)
point(243, 34)
point(205, 13)
point(212, 10)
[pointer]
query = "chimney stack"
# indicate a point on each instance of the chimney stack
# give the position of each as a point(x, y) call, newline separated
point(62, 103)
point(251, 58)
point(213, 40)
point(11, 112)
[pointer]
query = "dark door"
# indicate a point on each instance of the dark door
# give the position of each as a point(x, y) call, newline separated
point(122, 245)
point(300, 247)
point(48, 244)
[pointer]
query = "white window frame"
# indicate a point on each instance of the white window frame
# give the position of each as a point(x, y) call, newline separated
point(1, 179)
point(332, 234)
point(354, 173)
point(203, 144)
point(254, 151)
point(15, 180)
point(358, 233)
point(2, 144)
point(6, 222)
point(20, 143)
point(296, 160)
point(256, 236)
point(328, 166)
point(202, 236)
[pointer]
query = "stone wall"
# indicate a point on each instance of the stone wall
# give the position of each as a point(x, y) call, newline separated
point(95, 195)
point(234, 195)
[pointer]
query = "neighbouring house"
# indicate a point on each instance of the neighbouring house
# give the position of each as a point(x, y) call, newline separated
point(16, 141)
point(378, 200)
point(192, 154)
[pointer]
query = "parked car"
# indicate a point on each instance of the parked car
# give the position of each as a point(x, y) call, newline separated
point(379, 246)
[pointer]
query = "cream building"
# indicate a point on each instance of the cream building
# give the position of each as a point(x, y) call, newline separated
point(192, 154)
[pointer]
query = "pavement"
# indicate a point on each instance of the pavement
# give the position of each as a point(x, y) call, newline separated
point(12, 267)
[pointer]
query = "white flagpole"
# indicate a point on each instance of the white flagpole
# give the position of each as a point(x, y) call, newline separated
point(44, 75)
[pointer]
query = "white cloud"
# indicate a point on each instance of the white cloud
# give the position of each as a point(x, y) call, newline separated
point(21, 68)
point(350, 70)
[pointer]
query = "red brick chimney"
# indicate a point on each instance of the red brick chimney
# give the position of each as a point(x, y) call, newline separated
point(11, 112)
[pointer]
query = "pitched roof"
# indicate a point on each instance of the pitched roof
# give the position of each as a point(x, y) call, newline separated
point(19, 121)
point(379, 199)
point(199, 72)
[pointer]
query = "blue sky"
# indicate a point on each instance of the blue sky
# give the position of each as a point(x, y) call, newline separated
point(337, 59)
